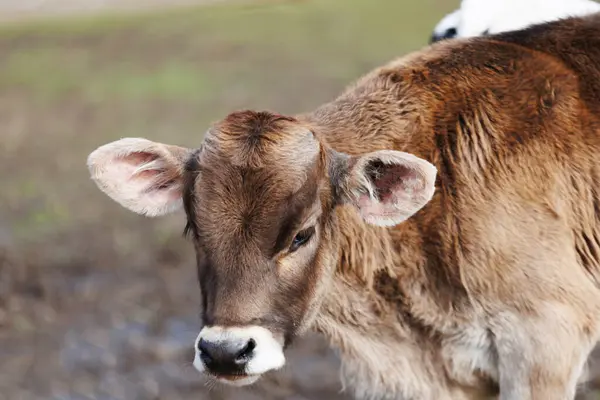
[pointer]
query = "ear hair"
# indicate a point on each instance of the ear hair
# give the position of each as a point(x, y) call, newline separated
point(339, 167)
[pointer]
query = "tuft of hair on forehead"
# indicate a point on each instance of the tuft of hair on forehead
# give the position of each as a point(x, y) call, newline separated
point(261, 139)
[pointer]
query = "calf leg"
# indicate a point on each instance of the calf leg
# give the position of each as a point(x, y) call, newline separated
point(541, 357)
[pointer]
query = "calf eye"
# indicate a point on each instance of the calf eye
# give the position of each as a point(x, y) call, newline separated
point(302, 238)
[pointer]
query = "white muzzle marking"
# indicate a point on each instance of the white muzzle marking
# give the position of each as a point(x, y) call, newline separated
point(267, 355)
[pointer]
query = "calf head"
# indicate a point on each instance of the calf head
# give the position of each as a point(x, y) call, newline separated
point(260, 195)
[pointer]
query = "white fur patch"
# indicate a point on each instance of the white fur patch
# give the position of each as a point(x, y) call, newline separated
point(240, 382)
point(268, 353)
point(474, 17)
point(469, 351)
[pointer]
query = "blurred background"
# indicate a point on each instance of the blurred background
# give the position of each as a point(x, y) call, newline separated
point(99, 303)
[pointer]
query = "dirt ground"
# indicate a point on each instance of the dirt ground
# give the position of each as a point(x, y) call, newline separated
point(98, 303)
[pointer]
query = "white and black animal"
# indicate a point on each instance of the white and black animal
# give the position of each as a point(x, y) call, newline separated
point(483, 17)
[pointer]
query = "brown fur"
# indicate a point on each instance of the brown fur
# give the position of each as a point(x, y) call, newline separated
point(491, 288)
point(512, 124)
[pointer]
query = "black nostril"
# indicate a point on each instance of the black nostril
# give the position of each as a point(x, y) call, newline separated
point(203, 348)
point(245, 353)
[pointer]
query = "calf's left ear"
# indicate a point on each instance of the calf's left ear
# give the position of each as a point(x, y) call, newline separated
point(387, 187)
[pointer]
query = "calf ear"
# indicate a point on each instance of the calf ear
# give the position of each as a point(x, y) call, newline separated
point(143, 176)
point(388, 187)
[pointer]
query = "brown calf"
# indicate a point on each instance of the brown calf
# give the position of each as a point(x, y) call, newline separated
point(472, 274)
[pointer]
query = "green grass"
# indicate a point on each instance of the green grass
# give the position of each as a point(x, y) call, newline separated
point(189, 54)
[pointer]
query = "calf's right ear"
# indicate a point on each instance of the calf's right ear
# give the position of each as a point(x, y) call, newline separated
point(143, 176)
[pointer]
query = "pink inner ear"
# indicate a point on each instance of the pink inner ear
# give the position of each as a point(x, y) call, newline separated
point(138, 159)
point(145, 168)
point(148, 174)
point(370, 208)
point(393, 180)
point(397, 187)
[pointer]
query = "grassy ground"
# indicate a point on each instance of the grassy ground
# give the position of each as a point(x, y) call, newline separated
point(96, 302)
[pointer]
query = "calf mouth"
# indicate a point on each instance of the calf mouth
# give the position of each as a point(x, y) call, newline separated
point(236, 379)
